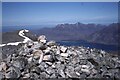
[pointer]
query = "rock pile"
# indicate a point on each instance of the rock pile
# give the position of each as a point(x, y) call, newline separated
point(44, 59)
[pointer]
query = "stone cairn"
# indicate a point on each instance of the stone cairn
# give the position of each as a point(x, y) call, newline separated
point(47, 59)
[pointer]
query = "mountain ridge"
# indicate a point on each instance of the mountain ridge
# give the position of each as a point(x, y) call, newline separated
point(67, 31)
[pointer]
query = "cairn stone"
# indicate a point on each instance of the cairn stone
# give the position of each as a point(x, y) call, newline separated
point(63, 49)
point(26, 75)
point(37, 54)
point(3, 66)
point(42, 39)
point(30, 59)
point(51, 43)
point(29, 44)
point(64, 54)
point(61, 72)
point(47, 58)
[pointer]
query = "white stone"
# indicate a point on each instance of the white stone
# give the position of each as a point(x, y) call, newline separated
point(47, 57)
point(41, 58)
point(30, 60)
point(64, 54)
point(3, 66)
point(63, 49)
point(42, 39)
point(31, 55)
point(53, 65)
point(94, 71)
point(26, 75)
point(85, 66)
point(77, 73)
point(49, 63)
point(62, 73)
point(37, 53)
point(47, 50)
point(85, 70)
point(58, 51)
point(51, 43)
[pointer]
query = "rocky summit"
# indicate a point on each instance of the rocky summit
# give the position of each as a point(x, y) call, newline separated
point(47, 59)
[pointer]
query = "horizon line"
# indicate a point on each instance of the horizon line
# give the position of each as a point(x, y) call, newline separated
point(63, 23)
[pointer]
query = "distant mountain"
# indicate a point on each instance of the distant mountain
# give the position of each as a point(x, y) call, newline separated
point(108, 35)
point(67, 31)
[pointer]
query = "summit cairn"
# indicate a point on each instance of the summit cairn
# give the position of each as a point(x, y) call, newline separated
point(44, 59)
point(42, 39)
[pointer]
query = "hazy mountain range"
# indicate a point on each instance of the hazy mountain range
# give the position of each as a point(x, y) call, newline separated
point(97, 33)
point(67, 31)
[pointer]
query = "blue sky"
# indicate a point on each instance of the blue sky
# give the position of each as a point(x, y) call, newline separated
point(45, 13)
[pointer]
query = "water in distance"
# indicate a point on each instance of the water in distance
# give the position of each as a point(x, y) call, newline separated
point(90, 45)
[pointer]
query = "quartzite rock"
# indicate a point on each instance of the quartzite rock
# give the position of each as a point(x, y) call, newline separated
point(63, 49)
point(47, 58)
point(42, 39)
point(51, 43)
point(3, 66)
point(37, 54)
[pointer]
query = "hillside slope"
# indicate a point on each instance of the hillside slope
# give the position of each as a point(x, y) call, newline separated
point(108, 35)
point(14, 37)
